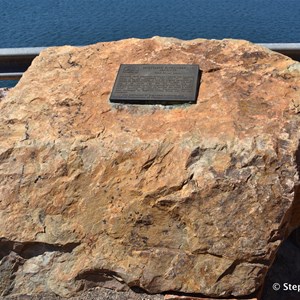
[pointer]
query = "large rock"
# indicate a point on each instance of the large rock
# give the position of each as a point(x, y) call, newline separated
point(189, 198)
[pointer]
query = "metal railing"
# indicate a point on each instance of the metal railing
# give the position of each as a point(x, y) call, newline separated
point(15, 61)
point(289, 49)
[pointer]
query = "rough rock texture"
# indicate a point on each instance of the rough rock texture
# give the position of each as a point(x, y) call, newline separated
point(191, 198)
point(3, 92)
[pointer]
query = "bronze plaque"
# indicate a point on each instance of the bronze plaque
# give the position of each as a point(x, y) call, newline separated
point(156, 84)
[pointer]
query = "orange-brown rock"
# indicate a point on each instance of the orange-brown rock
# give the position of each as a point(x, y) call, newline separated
point(189, 198)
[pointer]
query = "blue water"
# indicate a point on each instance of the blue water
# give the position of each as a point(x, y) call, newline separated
point(25, 23)
point(34, 23)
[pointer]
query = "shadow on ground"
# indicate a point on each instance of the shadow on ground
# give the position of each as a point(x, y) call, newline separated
point(284, 274)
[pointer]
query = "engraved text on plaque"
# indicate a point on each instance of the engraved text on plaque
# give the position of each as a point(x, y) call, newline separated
point(156, 84)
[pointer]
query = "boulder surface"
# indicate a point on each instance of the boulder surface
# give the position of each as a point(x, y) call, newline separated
point(191, 198)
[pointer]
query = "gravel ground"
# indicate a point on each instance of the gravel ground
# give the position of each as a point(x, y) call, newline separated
point(91, 294)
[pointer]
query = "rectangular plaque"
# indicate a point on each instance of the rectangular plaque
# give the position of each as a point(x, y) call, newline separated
point(156, 84)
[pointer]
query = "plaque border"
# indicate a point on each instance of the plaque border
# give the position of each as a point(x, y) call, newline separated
point(142, 101)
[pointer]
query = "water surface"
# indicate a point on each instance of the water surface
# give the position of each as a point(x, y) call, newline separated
point(35, 23)
point(27, 23)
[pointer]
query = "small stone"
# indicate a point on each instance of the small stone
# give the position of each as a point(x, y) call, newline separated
point(3, 92)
